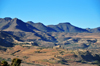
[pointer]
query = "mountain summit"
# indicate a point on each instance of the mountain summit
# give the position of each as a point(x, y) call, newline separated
point(8, 24)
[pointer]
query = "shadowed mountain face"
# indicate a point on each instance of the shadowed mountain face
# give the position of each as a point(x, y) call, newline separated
point(6, 39)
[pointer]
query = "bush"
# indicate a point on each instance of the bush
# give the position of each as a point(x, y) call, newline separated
point(16, 62)
point(62, 61)
point(4, 63)
point(37, 52)
point(25, 57)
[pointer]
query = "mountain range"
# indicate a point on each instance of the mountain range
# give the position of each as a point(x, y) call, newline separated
point(15, 31)
point(9, 24)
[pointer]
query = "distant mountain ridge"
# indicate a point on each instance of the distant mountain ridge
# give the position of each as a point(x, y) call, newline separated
point(9, 24)
point(41, 27)
point(67, 27)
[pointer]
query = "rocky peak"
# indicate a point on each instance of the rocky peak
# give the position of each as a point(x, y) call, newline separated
point(64, 23)
point(30, 22)
point(7, 18)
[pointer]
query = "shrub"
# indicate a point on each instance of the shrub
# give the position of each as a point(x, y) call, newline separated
point(4, 63)
point(37, 52)
point(62, 61)
point(16, 62)
point(25, 57)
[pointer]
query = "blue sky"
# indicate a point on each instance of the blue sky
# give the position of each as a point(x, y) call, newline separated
point(80, 13)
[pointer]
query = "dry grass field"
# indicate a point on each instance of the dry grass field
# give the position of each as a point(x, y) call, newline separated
point(35, 56)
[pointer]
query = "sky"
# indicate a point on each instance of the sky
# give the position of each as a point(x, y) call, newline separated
point(80, 13)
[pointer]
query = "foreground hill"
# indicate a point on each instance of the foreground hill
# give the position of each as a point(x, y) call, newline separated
point(65, 40)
